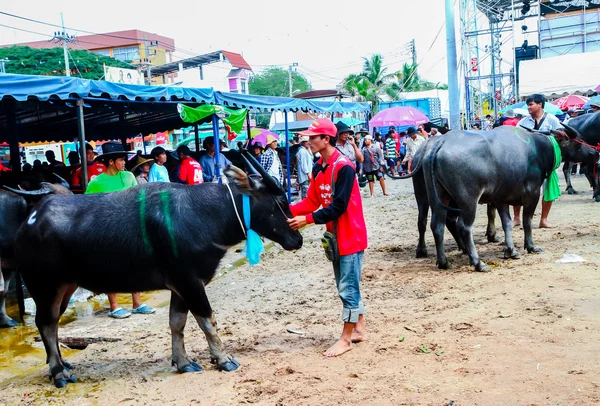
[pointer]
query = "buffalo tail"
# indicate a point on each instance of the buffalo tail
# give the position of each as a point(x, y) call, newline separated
point(432, 160)
point(20, 296)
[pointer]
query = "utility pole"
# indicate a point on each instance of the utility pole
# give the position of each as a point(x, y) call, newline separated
point(413, 49)
point(2, 66)
point(150, 52)
point(62, 36)
point(290, 76)
point(453, 93)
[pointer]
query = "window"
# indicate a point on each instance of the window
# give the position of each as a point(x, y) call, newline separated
point(126, 53)
point(105, 52)
point(243, 86)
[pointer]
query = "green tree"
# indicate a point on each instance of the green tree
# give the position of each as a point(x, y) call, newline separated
point(371, 83)
point(51, 62)
point(408, 80)
point(274, 81)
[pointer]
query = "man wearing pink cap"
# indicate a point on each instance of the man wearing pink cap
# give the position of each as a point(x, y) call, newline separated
point(334, 199)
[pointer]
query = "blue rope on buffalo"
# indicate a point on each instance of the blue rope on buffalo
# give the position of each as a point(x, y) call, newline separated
point(254, 245)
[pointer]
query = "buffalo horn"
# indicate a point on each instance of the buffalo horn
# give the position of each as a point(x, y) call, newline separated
point(44, 190)
point(268, 179)
point(63, 182)
point(251, 168)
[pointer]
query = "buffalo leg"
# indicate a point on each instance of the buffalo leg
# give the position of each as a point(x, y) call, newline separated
point(63, 306)
point(5, 321)
point(453, 224)
point(507, 226)
point(47, 314)
point(490, 233)
point(438, 223)
point(468, 218)
point(423, 206)
point(193, 294)
point(178, 312)
point(591, 177)
point(528, 211)
point(567, 166)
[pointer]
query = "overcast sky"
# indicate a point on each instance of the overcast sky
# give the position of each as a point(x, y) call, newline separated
point(326, 38)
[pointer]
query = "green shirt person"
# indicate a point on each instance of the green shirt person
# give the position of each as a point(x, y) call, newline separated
point(115, 179)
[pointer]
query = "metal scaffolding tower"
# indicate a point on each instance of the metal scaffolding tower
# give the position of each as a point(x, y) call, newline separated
point(487, 29)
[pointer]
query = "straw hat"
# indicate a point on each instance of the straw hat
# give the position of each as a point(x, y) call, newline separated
point(141, 161)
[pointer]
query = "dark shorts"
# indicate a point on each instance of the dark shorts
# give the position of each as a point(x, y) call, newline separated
point(392, 162)
point(371, 176)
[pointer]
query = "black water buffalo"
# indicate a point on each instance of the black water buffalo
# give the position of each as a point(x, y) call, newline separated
point(14, 205)
point(588, 125)
point(504, 166)
point(153, 236)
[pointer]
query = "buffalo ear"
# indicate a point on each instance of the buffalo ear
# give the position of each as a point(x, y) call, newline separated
point(571, 132)
point(239, 177)
point(560, 135)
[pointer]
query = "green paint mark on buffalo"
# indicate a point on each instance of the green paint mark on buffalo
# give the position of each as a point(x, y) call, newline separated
point(164, 199)
point(145, 238)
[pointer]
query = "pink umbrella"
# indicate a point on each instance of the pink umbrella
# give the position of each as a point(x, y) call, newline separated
point(571, 101)
point(398, 115)
point(597, 89)
point(261, 136)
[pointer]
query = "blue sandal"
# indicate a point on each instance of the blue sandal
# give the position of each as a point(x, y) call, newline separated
point(143, 309)
point(119, 313)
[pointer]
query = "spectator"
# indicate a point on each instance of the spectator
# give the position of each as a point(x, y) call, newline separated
point(190, 171)
point(510, 118)
point(434, 132)
point(158, 171)
point(476, 127)
point(256, 149)
point(421, 131)
point(538, 120)
point(207, 161)
point(595, 106)
point(143, 166)
point(390, 152)
point(37, 165)
point(305, 165)
point(487, 123)
point(372, 164)
point(52, 162)
point(412, 146)
point(270, 160)
point(342, 211)
point(94, 168)
point(346, 144)
point(115, 179)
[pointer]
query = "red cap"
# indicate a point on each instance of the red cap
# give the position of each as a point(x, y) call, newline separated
point(321, 126)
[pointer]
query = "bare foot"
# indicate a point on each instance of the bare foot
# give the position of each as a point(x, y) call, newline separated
point(337, 349)
point(358, 337)
point(516, 224)
point(371, 196)
point(545, 224)
point(386, 194)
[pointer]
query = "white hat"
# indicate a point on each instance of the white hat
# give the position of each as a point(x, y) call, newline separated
point(368, 137)
point(304, 138)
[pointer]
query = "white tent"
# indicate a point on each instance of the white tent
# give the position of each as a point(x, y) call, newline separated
point(560, 75)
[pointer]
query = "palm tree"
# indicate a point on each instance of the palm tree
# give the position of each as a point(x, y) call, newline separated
point(408, 80)
point(371, 83)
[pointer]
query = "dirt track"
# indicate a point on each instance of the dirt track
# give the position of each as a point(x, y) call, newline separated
point(527, 333)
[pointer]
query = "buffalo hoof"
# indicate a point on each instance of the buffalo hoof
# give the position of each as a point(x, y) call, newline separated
point(597, 198)
point(9, 323)
point(61, 383)
point(191, 367)
point(446, 265)
point(534, 250)
point(67, 365)
point(511, 253)
point(482, 267)
point(421, 253)
point(229, 366)
point(493, 238)
point(572, 191)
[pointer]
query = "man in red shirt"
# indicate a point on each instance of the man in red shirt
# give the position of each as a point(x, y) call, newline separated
point(190, 171)
point(335, 189)
point(94, 168)
point(510, 118)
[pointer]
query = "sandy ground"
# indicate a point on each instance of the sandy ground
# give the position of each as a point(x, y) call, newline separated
point(526, 333)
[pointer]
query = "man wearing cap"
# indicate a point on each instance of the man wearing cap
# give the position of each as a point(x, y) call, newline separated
point(346, 144)
point(158, 171)
point(334, 188)
point(207, 161)
point(115, 179)
point(270, 159)
point(190, 171)
point(510, 118)
point(94, 168)
point(305, 164)
point(413, 143)
point(595, 106)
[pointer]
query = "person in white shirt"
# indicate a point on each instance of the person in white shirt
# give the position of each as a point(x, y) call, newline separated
point(158, 171)
point(537, 120)
point(412, 146)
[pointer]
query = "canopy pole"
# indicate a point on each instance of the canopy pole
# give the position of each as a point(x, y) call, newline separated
point(196, 137)
point(217, 143)
point(143, 143)
point(451, 58)
point(81, 131)
point(122, 129)
point(367, 120)
point(13, 134)
point(287, 158)
point(248, 129)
